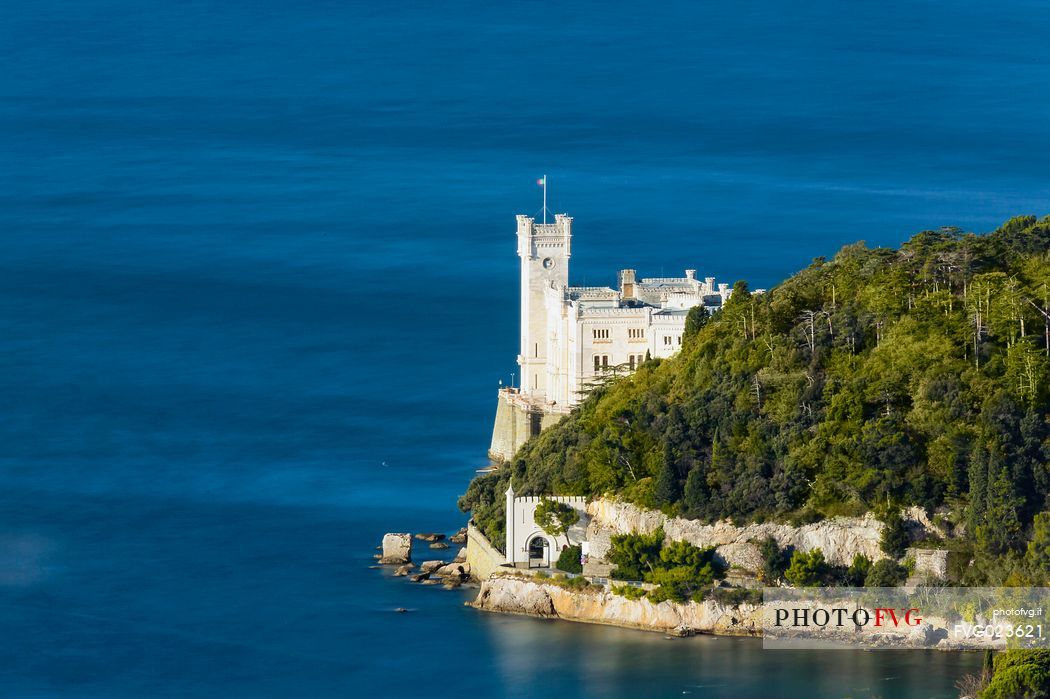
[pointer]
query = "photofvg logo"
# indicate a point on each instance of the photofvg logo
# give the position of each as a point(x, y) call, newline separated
point(894, 617)
point(842, 617)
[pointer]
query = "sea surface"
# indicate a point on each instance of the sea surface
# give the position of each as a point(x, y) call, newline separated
point(258, 287)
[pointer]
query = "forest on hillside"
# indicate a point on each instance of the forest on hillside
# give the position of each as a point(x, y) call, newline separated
point(876, 379)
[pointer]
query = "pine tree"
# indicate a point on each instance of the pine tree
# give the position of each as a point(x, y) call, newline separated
point(1001, 529)
point(668, 490)
point(697, 494)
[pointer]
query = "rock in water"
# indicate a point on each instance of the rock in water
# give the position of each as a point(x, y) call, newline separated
point(430, 566)
point(439, 545)
point(459, 537)
point(403, 570)
point(430, 537)
point(454, 570)
point(397, 548)
point(419, 577)
point(461, 556)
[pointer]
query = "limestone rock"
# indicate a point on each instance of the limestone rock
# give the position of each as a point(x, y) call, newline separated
point(439, 545)
point(840, 538)
point(430, 566)
point(430, 537)
point(516, 597)
point(461, 555)
point(403, 570)
point(457, 570)
point(397, 548)
point(419, 577)
point(459, 537)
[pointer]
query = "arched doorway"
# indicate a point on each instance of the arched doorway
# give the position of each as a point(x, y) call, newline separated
point(539, 552)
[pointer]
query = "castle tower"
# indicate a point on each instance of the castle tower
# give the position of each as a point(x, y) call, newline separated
point(544, 250)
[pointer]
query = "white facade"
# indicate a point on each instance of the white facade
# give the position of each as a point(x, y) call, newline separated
point(527, 544)
point(572, 337)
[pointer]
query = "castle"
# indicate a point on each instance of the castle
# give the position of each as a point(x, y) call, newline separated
point(574, 337)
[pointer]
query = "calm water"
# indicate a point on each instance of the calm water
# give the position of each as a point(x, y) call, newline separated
point(258, 286)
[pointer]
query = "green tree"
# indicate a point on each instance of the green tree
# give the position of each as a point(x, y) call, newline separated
point(1038, 554)
point(807, 569)
point(1020, 674)
point(634, 555)
point(894, 539)
point(774, 560)
point(695, 320)
point(858, 570)
point(885, 573)
point(697, 493)
point(667, 490)
point(555, 518)
point(569, 559)
point(1001, 529)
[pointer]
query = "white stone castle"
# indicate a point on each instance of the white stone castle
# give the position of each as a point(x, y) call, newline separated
point(573, 337)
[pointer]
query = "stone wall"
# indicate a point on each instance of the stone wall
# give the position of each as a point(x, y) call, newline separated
point(929, 562)
point(840, 538)
point(514, 424)
point(482, 556)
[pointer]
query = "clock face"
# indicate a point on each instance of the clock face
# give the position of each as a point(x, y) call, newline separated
point(548, 263)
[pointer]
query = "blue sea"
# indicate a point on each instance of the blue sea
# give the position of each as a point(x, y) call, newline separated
point(258, 287)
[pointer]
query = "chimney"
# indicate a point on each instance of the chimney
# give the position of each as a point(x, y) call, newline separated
point(627, 283)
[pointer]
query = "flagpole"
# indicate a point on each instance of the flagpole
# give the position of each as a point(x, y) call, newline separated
point(544, 199)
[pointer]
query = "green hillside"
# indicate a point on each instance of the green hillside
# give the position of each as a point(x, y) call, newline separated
point(875, 379)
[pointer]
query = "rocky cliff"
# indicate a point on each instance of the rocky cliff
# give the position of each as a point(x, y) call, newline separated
point(520, 595)
point(840, 538)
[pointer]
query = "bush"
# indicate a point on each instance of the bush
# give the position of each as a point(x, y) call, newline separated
point(629, 591)
point(569, 559)
point(894, 539)
point(885, 573)
point(774, 560)
point(858, 571)
point(634, 555)
point(732, 595)
point(807, 569)
point(1020, 673)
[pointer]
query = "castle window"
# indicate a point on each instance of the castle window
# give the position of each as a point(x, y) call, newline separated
point(679, 340)
point(597, 362)
point(632, 362)
point(636, 333)
point(667, 340)
point(600, 333)
point(605, 361)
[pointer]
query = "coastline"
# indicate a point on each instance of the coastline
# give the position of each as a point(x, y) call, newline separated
point(526, 596)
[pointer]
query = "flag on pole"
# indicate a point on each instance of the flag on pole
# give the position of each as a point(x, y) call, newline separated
point(542, 181)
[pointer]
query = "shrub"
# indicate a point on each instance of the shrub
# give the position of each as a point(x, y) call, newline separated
point(885, 573)
point(806, 569)
point(774, 559)
point(569, 559)
point(894, 540)
point(629, 591)
point(732, 595)
point(858, 571)
point(635, 554)
point(1020, 673)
